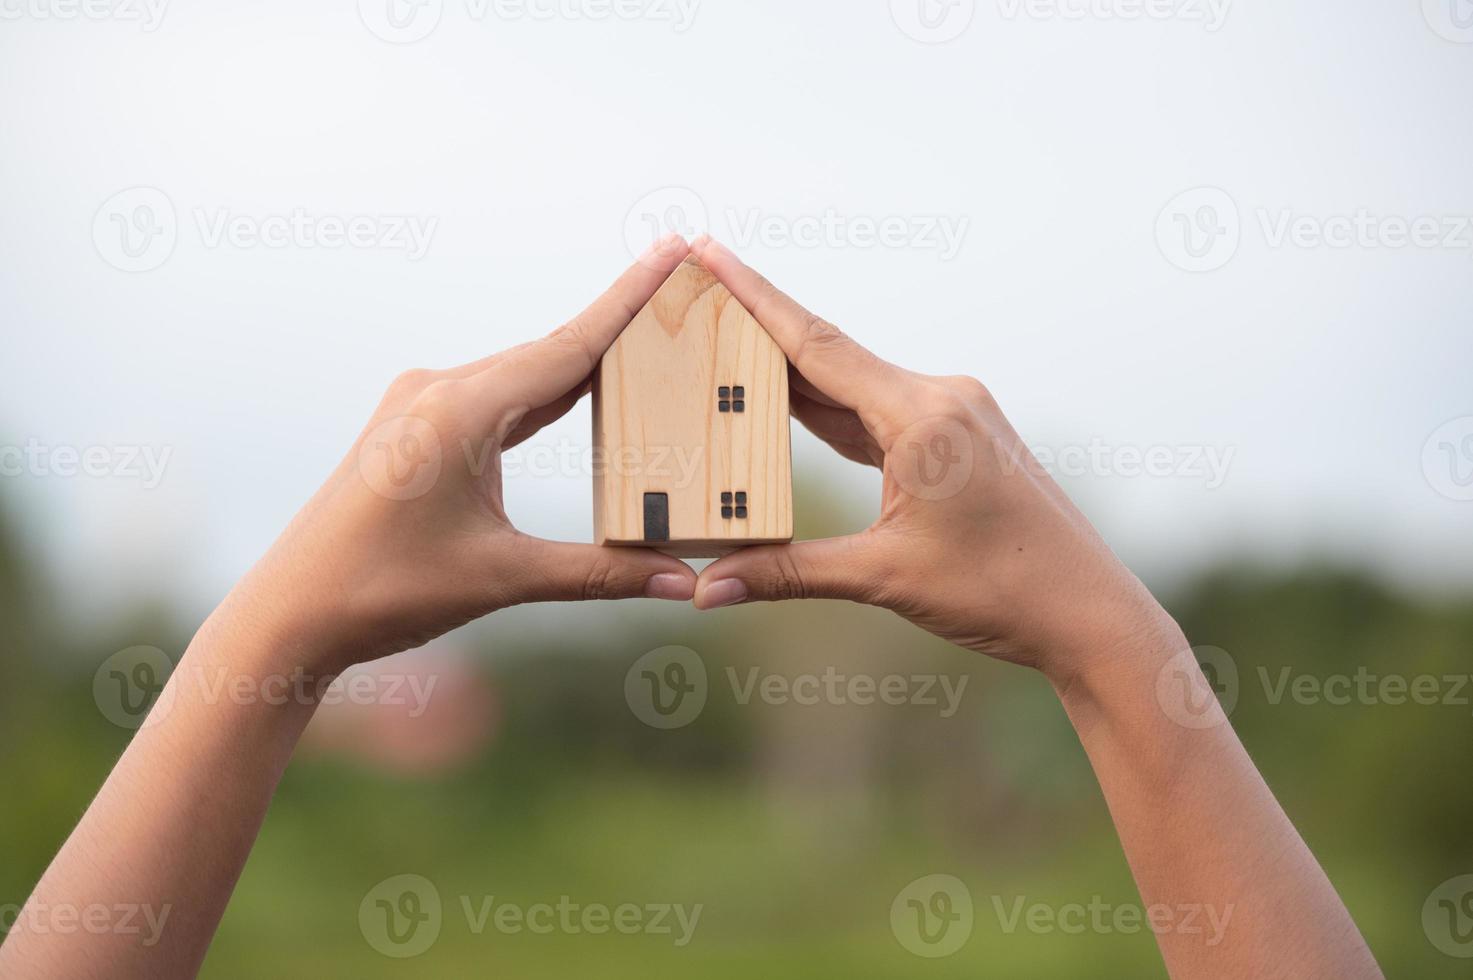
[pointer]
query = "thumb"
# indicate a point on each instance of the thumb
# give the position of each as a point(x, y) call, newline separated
point(833, 568)
point(552, 571)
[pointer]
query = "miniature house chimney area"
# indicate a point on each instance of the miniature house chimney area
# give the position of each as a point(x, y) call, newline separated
point(690, 424)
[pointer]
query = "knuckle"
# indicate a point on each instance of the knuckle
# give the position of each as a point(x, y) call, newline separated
point(940, 401)
point(599, 583)
point(571, 339)
point(410, 383)
point(819, 338)
point(766, 291)
point(437, 400)
point(821, 333)
point(969, 388)
point(787, 581)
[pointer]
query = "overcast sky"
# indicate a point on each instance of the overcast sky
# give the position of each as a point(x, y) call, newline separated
point(1230, 237)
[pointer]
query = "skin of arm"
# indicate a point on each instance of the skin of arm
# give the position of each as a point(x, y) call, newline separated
point(977, 544)
point(407, 539)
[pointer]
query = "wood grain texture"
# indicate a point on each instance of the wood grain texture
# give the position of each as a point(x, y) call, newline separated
point(658, 427)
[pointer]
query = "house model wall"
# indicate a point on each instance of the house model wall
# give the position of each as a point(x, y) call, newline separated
point(690, 426)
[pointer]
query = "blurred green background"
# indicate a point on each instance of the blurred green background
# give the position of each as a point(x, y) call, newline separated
point(793, 826)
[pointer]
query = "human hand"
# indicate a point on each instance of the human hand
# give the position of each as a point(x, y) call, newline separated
point(974, 542)
point(409, 538)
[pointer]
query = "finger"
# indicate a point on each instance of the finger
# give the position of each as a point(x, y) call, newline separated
point(802, 386)
point(553, 571)
point(840, 428)
point(539, 418)
point(541, 372)
point(833, 568)
point(837, 366)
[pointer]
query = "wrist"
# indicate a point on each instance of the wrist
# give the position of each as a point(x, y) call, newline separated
point(1112, 663)
point(261, 634)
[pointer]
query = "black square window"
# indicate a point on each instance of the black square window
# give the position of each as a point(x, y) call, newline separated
point(739, 392)
point(726, 497)
point(741, 497)
point(726, 513)
point(725, 392)
point(738, 406)
point(741, 513)
point(725, 406)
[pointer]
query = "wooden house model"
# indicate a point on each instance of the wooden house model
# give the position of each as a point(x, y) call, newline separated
point(690, 426)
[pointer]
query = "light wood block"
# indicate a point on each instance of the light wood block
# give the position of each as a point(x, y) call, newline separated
point(667, 420)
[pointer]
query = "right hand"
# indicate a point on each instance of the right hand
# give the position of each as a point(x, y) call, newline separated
point(975, 542)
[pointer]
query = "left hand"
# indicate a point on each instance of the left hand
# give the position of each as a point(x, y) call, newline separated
point(409, 539)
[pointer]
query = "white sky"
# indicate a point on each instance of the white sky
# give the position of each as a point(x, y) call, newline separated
point(1057, 141)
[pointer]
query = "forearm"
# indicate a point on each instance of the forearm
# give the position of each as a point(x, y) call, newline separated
point(162, 845)
point(1237, 890)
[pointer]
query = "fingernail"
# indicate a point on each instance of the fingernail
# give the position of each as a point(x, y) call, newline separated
point(727, 592)
point(700, 243)
point(669, 585)
point(716, 248)
point(662, 246)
